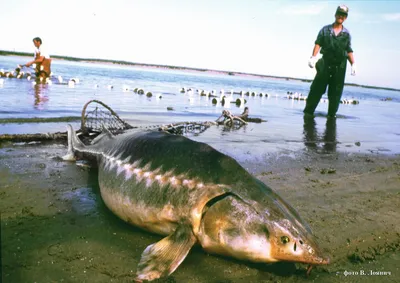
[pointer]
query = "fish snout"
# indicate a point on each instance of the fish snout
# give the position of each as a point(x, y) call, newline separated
point(316, 257)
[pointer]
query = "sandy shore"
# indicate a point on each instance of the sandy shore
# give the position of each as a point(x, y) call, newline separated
point(56, 228)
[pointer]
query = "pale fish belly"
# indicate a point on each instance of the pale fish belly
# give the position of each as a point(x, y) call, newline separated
point(150, 199)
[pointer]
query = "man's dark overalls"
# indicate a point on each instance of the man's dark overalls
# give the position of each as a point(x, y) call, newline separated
point(331, 69)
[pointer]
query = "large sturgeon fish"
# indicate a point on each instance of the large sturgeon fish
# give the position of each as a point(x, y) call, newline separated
point(191, 193)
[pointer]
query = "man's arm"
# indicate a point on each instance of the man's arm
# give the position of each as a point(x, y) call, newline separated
point(316, 49)
point(38, 59)
point(350, 57)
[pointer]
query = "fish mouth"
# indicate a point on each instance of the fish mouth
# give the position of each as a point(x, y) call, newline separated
point(317, 261)
point(321, 261)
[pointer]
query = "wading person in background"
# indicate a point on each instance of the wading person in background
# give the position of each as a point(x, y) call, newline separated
point(334, 40)
point(41, 59)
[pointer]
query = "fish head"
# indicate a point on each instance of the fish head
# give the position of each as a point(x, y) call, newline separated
point(289, 242)
point(235, 228)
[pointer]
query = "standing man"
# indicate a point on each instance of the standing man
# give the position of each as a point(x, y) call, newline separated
point(334, 40)
point(41, 59)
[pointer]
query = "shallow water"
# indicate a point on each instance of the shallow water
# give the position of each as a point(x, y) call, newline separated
point(371, 126)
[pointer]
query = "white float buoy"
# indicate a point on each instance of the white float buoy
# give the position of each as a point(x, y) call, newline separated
point(71, 83)
point(110, 87)
point(1, 81)
point(60, 79)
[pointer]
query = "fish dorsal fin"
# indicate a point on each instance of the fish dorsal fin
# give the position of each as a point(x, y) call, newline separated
point(107, 131)
point(105, 134)
point(162, 258)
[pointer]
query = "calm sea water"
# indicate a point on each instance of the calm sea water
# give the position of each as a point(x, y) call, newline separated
point(371, 126)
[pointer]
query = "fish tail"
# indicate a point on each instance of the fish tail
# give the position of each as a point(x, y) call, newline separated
point(74, 144)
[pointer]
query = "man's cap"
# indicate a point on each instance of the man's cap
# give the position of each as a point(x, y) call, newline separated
point(343, 9)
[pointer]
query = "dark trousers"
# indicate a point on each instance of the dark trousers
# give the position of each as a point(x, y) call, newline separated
point(327, 75)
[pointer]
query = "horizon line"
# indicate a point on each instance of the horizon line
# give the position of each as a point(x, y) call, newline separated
point(231, 73)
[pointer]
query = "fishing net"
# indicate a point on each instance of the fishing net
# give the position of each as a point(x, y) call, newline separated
point(186, 128)
point(96, 114)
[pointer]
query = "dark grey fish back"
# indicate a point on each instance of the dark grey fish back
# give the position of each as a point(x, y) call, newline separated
point(184, 156)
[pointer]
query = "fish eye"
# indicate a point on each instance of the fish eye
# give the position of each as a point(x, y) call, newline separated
point(285, 239)
point(301, 242)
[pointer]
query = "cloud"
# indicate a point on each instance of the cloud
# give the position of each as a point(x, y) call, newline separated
point(309, 9)
point(391, 17)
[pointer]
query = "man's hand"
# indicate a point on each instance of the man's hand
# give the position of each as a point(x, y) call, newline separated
point(312, 61)
point(353, 69)
point(28, 64)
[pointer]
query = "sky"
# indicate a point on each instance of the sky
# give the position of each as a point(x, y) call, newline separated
point(253, 36)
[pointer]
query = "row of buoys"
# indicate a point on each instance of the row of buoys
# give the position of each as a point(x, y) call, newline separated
point(213, 93)
point(349, 101)
point(300, 96)
point(59, 80)
point(17, 75)
point(296, 96)
point(228, 99)
point(343, 101)
point(142, 92)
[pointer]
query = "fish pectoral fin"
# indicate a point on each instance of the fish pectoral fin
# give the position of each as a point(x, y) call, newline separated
point(162, 258)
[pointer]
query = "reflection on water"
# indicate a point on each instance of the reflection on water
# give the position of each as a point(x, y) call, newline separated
point(312, 139)
point(40, 94)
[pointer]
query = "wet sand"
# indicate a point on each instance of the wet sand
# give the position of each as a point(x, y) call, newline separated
point(56, 228)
